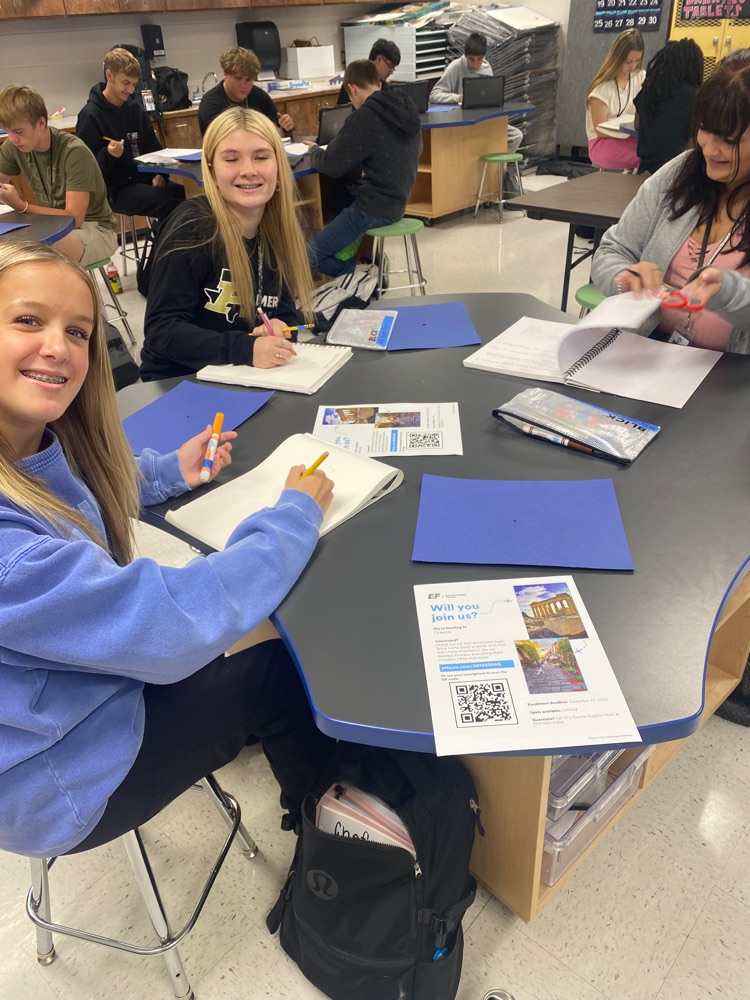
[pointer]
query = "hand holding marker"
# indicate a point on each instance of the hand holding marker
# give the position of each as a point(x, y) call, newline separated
point(213, 444)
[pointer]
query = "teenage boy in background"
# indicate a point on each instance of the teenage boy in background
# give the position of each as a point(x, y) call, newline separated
point(386, 55)
point(61, 172)
point(449, 88)
point(241, 68)
point(383, 135)
point(116, 128)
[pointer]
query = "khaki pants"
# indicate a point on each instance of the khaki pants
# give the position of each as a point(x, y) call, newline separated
point(98, 241)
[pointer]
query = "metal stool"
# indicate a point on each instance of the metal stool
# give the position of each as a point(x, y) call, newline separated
point(134, 253)
point(122, 316)
point(501, 159)
point(587, 297)
point(408, 228)
point(39, 910)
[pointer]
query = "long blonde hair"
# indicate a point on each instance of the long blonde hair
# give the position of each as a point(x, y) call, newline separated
point(279, 228)
point(629, 41)
point(90, 433)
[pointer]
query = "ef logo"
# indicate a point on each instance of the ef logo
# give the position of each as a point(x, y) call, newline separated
point(321, 884)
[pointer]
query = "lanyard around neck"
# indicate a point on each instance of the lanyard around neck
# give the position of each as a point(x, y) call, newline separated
point(720, 247)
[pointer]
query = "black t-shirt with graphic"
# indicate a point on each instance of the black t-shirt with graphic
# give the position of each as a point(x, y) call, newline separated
point(193, 317)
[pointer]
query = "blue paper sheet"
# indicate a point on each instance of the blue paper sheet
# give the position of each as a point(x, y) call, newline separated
point(8, 227)
point(434, 109)
point(446, 324)
point(528, 523)
point(184, 411)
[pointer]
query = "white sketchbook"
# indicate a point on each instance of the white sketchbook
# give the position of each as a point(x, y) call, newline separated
point(165, 156)
point(346, 811)
point(358, 482)
point(306, 372)
point(601, 354)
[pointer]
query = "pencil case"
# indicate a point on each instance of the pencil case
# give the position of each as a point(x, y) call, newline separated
point(569, 422)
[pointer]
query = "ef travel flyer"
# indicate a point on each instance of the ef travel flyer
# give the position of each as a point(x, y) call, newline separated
point(517, 665)
point(379, 429)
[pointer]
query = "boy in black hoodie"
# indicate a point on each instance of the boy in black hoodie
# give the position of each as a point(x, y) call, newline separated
point(116, 129)
point(383, 135)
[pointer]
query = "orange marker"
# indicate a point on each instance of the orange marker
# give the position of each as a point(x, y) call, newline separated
point(213, 444)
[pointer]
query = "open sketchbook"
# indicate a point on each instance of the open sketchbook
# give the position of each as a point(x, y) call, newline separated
point(359, 481)
point(311, 368)
point(600, 353)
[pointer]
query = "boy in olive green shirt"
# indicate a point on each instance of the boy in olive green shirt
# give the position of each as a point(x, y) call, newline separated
point(61, 172)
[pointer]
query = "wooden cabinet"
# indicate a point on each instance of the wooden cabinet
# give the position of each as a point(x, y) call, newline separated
point(127, 6)
point(204, 4)
point(32, 8)
point(92, 7)
point(180, 130)
point(303, 109)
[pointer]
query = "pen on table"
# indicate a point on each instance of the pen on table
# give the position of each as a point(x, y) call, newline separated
point(315, 465)
point(213, 444)
point(566, 442)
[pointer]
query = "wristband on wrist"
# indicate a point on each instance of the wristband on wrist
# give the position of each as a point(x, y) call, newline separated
point(25, 208)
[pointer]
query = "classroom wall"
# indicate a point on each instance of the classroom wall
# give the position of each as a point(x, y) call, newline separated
point(62, 56)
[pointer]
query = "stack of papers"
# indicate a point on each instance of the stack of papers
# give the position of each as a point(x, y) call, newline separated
point(167, 156)
point(306, 372)
point(346, 811)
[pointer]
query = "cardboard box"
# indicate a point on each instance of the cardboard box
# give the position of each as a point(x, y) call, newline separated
point(304, 63)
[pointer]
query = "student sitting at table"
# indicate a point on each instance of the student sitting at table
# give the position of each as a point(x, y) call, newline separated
point(223, 257)
point(664, 105)
point(115, 127)
point(693, 214)
point(383, 136)
point(610, 94)
point(61, 172)
point(472, 65)
point(241, 68)
point(386, 55)
point(117, 696)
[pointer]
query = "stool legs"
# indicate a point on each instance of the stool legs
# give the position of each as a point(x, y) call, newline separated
point(45, 948)
point(219, 798)
point(135, 253)
point(481, 188)
point(417, 265)
point(379, 251)
point(122, 316)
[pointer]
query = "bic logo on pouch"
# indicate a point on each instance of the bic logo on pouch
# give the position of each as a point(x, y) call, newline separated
point(321, 884)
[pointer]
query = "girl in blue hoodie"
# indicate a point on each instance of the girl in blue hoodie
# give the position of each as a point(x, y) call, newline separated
point(116, 695)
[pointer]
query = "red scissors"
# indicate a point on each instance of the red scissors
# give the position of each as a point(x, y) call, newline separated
point(671, 298)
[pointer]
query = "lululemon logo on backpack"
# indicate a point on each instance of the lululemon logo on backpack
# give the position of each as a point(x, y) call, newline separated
point(321, 884)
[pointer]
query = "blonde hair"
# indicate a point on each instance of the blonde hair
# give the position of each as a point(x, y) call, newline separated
point(279, 229)
point(90, 432)
point(121, 61)
point(629, 41)
point(19, 103)
point(243, 62)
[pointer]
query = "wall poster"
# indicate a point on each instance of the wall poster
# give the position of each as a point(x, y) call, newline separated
point(618, 15)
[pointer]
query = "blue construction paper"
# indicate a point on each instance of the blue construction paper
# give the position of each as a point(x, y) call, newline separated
point(184, 411)
point(528, 523)
point(434, 109)
point(8, 227)
point(446, 324)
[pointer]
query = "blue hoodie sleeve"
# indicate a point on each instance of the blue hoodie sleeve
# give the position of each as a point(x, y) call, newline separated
point(65, 604)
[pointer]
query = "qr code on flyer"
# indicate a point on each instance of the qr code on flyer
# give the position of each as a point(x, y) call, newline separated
point(483, 703)
point(424, 439)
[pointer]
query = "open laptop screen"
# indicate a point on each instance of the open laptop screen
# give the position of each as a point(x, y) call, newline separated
point(484, 92)
point(330, 121)
point(418, 90)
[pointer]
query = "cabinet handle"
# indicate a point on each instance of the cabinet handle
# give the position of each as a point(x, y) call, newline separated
point(181, 125)
point(716, 41)
point(728, 42)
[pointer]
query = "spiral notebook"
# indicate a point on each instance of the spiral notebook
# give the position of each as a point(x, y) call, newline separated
point(311, 368)
point(601, 353)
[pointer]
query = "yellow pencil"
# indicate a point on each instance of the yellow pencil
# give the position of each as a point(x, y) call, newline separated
point(304, 326)
point(110, 139)
point(315, 465)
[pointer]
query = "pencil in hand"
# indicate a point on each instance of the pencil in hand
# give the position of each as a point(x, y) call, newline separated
point(318, 461)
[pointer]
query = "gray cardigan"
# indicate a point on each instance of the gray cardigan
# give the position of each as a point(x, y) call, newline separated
point(646, 232)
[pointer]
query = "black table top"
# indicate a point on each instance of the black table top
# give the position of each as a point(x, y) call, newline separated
point(351, 621)
point(42, 228)
point(596, 199)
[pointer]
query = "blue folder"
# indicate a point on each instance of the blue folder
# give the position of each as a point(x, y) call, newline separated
point(446, 324)
point(528, 523)
point(184, 411)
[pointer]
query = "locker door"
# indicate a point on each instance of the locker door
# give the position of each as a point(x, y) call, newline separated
point(707, 32)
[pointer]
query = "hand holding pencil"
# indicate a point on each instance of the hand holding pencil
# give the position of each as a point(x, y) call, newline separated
point(312, 481)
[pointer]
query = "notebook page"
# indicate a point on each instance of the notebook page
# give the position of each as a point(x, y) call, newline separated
point(305, 372)
point(649, 370)
point(213, 517)
point(528, 349)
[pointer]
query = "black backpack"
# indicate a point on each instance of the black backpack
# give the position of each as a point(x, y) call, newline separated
point(172, 92)
point(365, 920)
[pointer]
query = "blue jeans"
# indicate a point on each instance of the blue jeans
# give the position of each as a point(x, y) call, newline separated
point(349, 224)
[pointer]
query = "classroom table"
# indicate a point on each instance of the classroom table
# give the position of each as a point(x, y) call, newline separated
point(597, 199)
point(350, 620)
point(42, 228)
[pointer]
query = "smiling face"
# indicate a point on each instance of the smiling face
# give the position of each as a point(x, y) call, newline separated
point(119, 87)
point(245, 169)
point(237, 86)
point(726, 162)
point(46, 320)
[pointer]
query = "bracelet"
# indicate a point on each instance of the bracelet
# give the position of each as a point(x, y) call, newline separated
point(25, 208)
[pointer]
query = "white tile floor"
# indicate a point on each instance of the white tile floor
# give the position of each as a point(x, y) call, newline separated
point(660, 911)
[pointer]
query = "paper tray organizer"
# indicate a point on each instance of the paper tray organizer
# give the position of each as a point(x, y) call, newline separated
point(577, 779)
point(564, 846)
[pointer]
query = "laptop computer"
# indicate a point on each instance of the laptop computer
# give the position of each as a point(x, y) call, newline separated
point(483, 92)
point(418, 90)
point(330, 121)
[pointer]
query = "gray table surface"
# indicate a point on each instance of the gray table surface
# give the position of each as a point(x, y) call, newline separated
point(42, 228)
point(350, 620)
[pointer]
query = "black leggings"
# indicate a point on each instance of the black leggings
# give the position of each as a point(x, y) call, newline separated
point(201, 723)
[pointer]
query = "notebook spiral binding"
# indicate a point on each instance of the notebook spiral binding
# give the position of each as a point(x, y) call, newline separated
point(596, 350)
